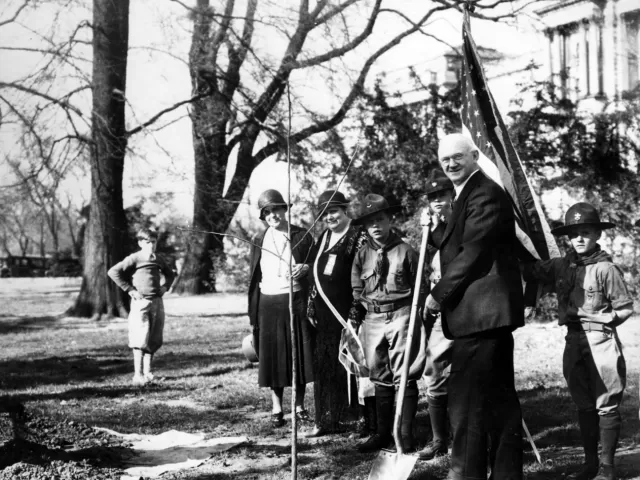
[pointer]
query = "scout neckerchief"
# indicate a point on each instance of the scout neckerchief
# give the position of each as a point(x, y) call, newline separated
point(382, 262)
point(578, 261)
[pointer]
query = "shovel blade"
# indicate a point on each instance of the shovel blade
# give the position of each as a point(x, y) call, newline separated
point(392, 466)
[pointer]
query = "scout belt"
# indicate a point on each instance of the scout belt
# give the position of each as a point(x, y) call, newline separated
point(387, 307)
point(589, 327)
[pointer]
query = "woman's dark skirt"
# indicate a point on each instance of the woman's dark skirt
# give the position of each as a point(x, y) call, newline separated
point(331, 388)
point(274, 355)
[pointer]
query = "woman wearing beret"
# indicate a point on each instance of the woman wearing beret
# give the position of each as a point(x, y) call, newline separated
point(331, 265)
point(269, 304)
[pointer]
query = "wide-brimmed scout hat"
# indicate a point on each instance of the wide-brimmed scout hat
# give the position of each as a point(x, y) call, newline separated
point(578, 215)
point(437, 182)
point(248, 349)
point(329, 199)
point(270, 198)
point(362, 207)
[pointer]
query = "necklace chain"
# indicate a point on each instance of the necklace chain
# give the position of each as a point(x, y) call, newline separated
point(280, 253)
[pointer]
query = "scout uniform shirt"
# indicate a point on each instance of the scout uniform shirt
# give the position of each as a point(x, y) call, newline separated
point(589, 288)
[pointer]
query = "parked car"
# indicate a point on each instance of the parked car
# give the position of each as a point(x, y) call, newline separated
point(24, 266)
point(65, 267)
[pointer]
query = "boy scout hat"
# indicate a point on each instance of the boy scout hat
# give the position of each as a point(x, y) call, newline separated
point(270, 198)
point(329, 199)
point(361, 208)
point(438, 182)
point(578, 215)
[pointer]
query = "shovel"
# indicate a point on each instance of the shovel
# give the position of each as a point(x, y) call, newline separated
point(398, 465)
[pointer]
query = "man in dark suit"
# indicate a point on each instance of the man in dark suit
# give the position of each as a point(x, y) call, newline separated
point(481, 303)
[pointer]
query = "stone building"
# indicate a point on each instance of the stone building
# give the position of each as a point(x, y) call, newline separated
point(593, 46)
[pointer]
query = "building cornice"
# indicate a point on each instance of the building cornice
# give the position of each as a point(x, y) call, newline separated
point(559, 6)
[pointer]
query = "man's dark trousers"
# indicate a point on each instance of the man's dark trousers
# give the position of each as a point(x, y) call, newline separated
point(484, 408)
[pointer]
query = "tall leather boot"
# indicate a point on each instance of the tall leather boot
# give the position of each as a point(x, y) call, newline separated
point(439, 428)
point(384, 420)
point(589, 426)
point(409, 409)
point(609, 435)
point(370, 406)
point(367, 425)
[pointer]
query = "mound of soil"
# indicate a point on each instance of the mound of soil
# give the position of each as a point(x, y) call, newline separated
point(34, 447)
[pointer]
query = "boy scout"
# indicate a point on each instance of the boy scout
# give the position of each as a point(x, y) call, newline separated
point(592, 301)
point(439, 190)
point(383, 277)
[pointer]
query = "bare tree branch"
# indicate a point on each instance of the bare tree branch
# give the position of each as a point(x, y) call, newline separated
point(158, 115)
point(356, 89)
point(62, 103)
point(15, 15)
point(336, 52)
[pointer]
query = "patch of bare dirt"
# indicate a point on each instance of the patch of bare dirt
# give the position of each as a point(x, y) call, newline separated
point(33, 447)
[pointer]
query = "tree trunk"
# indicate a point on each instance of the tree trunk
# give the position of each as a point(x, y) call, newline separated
point(106, 231)
point(211, 213)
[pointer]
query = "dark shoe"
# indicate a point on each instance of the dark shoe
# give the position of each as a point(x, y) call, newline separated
point(375, 442)
point(606, 472)
point(316, 432)
point(303, 416)
point(433, 449)
point(277, 419)
point(586, 472)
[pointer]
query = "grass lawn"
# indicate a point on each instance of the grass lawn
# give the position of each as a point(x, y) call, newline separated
point(73, 370)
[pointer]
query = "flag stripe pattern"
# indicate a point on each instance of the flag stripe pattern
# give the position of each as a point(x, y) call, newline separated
point(482, 121)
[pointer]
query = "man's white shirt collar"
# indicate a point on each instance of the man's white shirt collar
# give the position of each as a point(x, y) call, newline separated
point(459, 188)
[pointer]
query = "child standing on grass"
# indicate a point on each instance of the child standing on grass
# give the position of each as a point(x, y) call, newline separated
point(139, 276)
point(383, 277)
point(592, 301)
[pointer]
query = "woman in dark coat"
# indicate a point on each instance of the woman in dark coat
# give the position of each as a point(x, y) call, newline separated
point(334, 253)
point(269, 304)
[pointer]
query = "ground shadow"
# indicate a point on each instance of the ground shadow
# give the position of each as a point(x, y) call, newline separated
point(18, 324)
point(19, 450)
point(104, 364)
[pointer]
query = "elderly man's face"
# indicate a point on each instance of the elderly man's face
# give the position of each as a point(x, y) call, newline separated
point(458, 158)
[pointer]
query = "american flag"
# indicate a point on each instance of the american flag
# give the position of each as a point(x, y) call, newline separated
point(498, 159)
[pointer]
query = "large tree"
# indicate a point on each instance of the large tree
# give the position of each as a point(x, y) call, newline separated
point(106, 232)
point(240, 88)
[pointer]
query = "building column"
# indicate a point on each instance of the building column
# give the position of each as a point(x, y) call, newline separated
point(587, 65)
point(598, 22)
point(549, 34)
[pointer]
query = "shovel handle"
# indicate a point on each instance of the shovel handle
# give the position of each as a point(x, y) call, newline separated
point(407, 349)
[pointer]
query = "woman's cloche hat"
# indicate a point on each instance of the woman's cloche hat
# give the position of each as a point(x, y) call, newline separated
point(270, 198)
point(579, 215)
point(329, 199)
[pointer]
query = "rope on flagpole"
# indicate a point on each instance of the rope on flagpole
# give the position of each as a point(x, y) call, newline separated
point(294, 349)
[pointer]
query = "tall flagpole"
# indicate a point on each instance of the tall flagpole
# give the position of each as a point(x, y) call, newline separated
point(294, 349)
